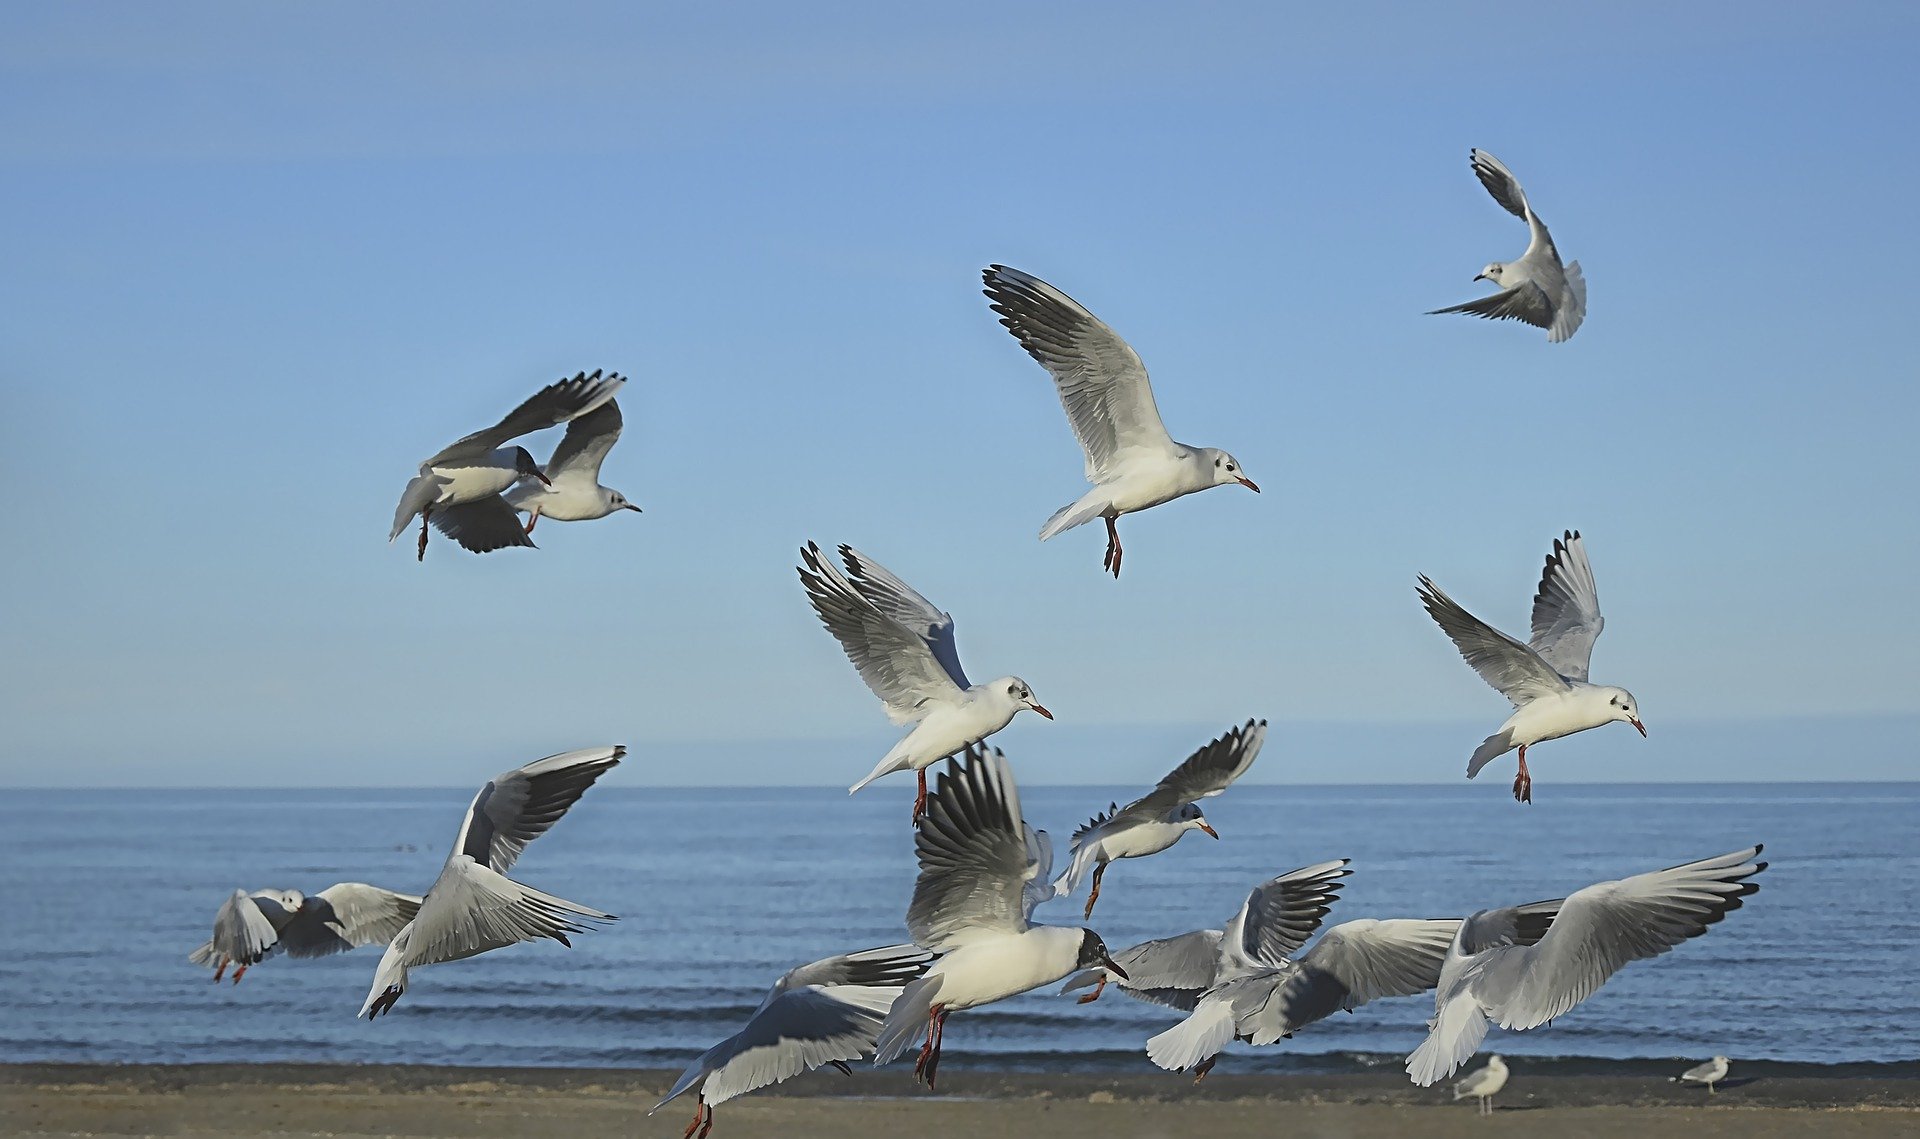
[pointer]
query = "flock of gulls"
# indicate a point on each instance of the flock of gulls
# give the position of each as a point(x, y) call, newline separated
point(983, 869)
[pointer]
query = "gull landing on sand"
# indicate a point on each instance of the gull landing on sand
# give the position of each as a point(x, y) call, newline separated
point(1545, 679)
point(1536, 289)
point(903, 648)
point(1132, 462)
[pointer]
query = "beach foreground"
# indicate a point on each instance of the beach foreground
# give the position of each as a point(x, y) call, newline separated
point(345, 1100)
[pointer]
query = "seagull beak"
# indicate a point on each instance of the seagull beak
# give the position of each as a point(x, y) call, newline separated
point(544, 479)
point(1116, 970)
point(1479, 276)
point(1209, 830)
point(1641, 726)
point(1042, 711)
point(632, 507)
point(1250, 484)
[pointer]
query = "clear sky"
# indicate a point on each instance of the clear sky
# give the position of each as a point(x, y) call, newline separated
point(260, 260)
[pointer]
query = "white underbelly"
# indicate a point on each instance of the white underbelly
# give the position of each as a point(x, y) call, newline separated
point(471, 484)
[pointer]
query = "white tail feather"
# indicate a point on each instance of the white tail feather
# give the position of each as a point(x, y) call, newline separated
point(1076, 513)
point(1204, 1033)
point(392, 973)
point(1490, 749)
point(906, 1019)
point(1455, 1034)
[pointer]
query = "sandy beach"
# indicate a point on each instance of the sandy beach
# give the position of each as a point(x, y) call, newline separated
point(302, 1100)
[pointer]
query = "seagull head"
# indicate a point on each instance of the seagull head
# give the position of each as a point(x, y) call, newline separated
point(1620, 704)
point(618, 501)
point(1493, 272)
point(525, 467)
point(1189, 815)
point(1093, 952)
point(1227, 469)
point(1022, 696)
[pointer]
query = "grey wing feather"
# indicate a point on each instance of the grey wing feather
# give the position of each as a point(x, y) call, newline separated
point(1525, 302)
point(518, 806)
point(481, 526)
point(472, 909)
point(549, 407)
point(1205, 773)
point(1566, 609)
point(1171, 971)
point(421, 490)
point(1356, 962)
point(584, 447)
point(241, 933)
point(973, 855)
point(1279, 916)
point(897, 662)
point(345, 916)
point(1513, 669)
point(1500, 183)
point(906, 605)
point(1508, 926)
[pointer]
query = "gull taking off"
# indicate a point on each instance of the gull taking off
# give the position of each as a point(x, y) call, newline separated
point(1156, 820)
point(972, 903)
point(826, 1012)
point(251, 927)
point(459, 488)
point(569, 488)
point(473, 906)
point(1535, 289)
point(1522, 966)
point(1483, 1084)
point(1545, 679)
point(903, 648)
point(1709, 1073)
point(1131, 460)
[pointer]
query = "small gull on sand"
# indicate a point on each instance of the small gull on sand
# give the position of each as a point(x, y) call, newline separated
point(1156, 820)
point(569, 488)
point(250, 927)
point(1132, 462)
point(1709, 1073)
point(903, 648)
point(1536, 289)
point(1483, 1084)
point(1545, 679)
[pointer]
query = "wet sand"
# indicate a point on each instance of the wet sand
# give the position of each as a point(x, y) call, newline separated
point(351, 1100)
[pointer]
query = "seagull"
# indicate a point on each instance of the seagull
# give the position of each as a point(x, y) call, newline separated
point(1483, 1084)
point(346, 915)
point(1254, 989)
point(972, 903)
point(459, 489)
point(1709, 1073)
point(1545, 679)
point(826, 1012)
point(1524, 965)
point(1535, 289)
point(569, 488)
point(903, 648)
point(1156, 820)
point(1131, 460)
point(473, 906)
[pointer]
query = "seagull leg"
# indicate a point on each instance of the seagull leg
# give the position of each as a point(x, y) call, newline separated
point(920, 800)
point(701, 1114)
point(1095, 994)
point(422, 555)
point(1095, 896)
point(220, 970)
point(1112, 562)
point(239, 973)
point(1205, 1066)
point(1523, 783)
point(926, 1049)
point(708, 1125)
point(939, 1036)
point(532, 517)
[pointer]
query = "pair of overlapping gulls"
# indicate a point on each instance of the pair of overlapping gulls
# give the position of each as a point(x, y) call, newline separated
point(252, 926)
point(471, 489)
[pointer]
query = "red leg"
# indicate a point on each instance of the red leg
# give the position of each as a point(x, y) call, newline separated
point(1095, 896)
point(422, 555)
point(220, 970)
point(1206, 1065)
point(926, 1049)
point(702, 1114)
point(1523, 783)
point(1112, 563)
point(1097, 990)
point(532, 517)
point(920, 800)
point(239, 973)
point(939, 1036)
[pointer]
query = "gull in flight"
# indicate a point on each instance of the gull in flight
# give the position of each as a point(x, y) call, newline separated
point(1709, 1073)
point(1131, 460)
point(1545, 679)
point(826, 1012)
point(1535, 289)
point(1156, 820)
point(250, 927)
point(459, 488)
point(903, 648)
point(569, 488)
point(980, 865)
point(1483, 1083)
point(473, 906)
point(1251, 987)
point(1522, 966)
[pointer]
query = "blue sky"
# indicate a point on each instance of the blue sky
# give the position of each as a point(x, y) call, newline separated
point(259, 262)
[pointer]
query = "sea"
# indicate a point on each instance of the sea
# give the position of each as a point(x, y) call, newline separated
point(720, 891)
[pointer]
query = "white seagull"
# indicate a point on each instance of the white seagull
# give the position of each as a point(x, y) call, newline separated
point(473, 906)
point(1709, 1073)
point(1131, 460)
point(903, 648)
point(973, 903)
point(250, 927)
point(1535, 289)
point(1483, 1083)
point(459, 489)
point(1156, 820)
point(1522, 966)
point(1545, 679)
point(1254, 989)
point(826, 1012)
point(569, 489)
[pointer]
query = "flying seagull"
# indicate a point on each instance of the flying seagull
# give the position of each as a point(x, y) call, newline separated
point(903, 648)
point(459, 489)
point(569, 489)
point(1545, 679)
point(1131, 460)
point(251, 927)
point(1536, 288)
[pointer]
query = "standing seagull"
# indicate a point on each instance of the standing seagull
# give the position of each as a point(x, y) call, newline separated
point(473, 906)
point(459, 489)
point(1545, 679)
point(1536, 288)
point(1156, 820)
point(903, 648)
point(1524, 965)
point(1131, 460)
point(826, 1012)
point(1709, 1073)
point(346, 915)
point(972, 903)
point(569, 488)
point(1483, 1083)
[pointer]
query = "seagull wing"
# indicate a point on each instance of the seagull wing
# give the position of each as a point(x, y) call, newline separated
point(897, 662)
point(481, 526)
point(1170, 971)
point(1278, 917)
point(1500, 182)
point(1566, 609)
point(1353, 963)
point(518, 806)
point(346, 916)
point(241, 933)
point(549, 407)
point(1101, 381)
point(1204, 774)
point(578, 455)
point(1515, 670)
point(905, 605)
point(973, 855)
point(473, 908)
point(1525, 302)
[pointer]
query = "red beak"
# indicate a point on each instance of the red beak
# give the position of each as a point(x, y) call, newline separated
point(1641, 726)
point(1249, 484)
point(1209, 830)
point(1042, 711)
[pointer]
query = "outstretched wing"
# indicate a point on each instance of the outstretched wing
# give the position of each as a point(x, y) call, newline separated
point(346, 916)
point(1278, 917)
point(1525, 302)
point(1515, 670)
point(1205, 773)
point(972, 849)
point(896, 661)
point(1505, 188)
point(578, 455)
point(549, 407)
point(518, 806)
point(1353, 963)
point(482, 526)
point(1170, 971)
point(904, 604)
point(1566, 609)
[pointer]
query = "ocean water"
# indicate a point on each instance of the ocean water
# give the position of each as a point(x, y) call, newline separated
point(719, 891)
